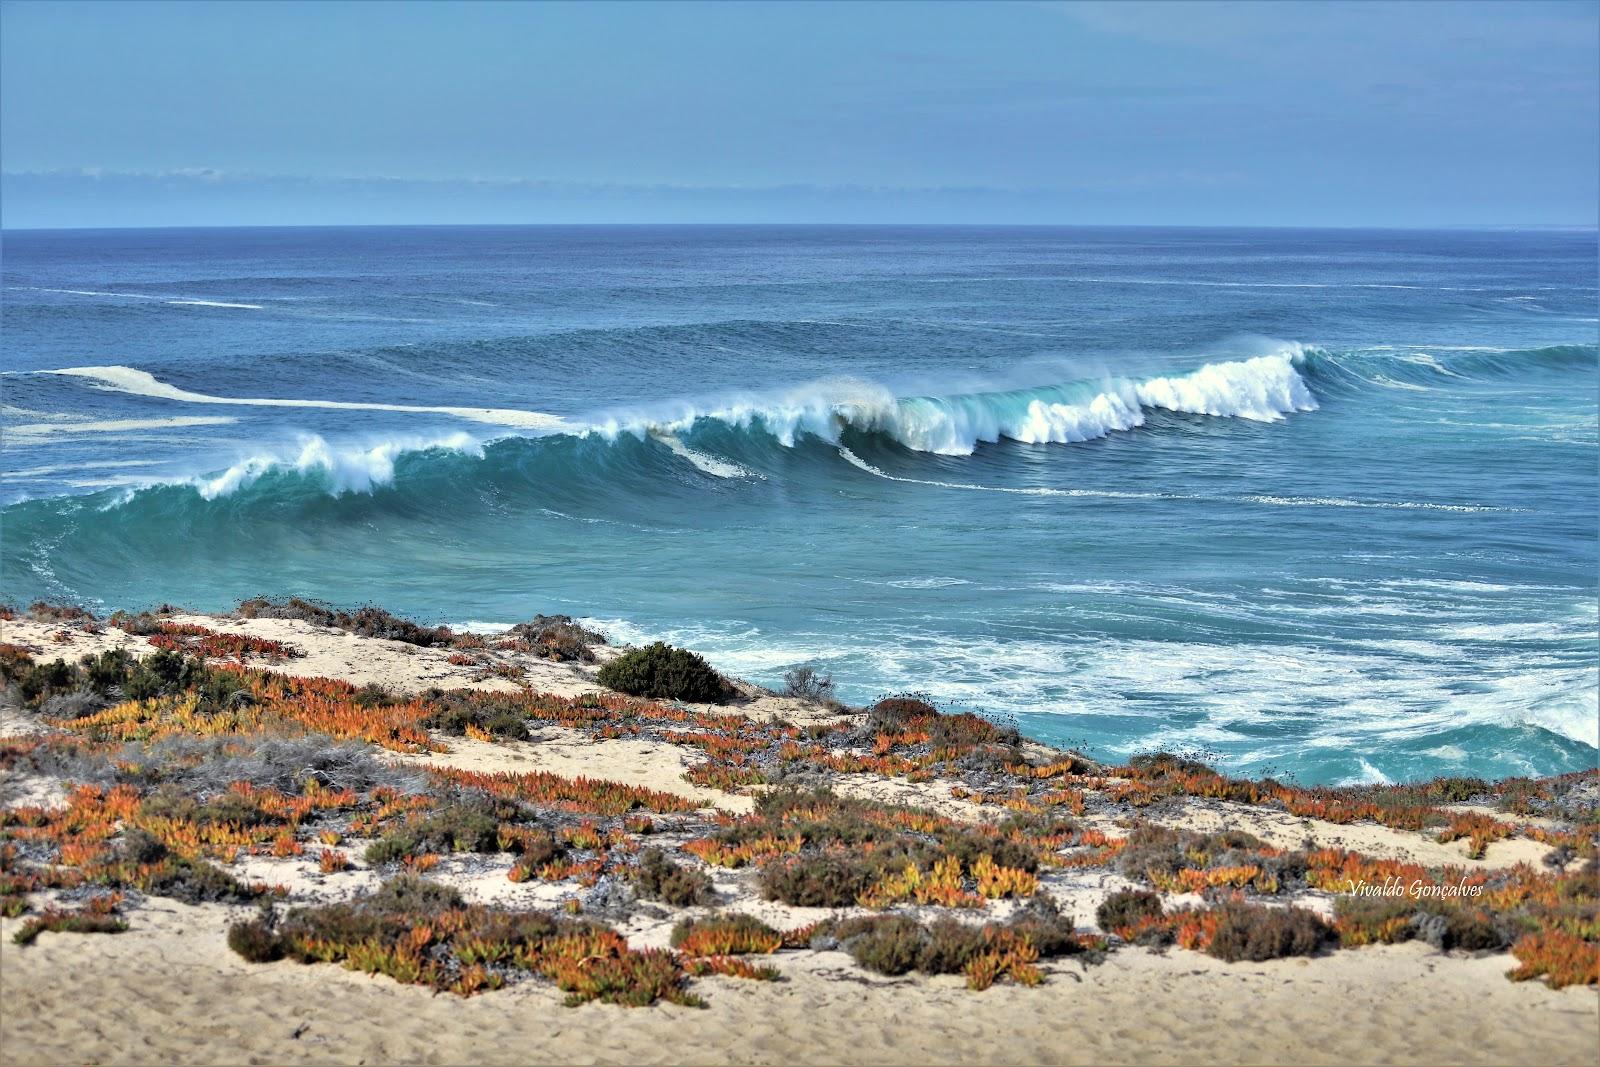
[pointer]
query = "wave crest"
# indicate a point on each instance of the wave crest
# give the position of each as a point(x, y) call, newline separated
point(346, 469)
point(1262, 389)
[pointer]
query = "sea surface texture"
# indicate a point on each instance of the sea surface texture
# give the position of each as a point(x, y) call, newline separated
point(1316, 503)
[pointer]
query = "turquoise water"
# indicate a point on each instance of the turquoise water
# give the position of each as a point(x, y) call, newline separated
point(1318, 502)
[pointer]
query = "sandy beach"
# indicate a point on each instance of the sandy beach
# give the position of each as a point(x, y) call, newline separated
point(170, 990)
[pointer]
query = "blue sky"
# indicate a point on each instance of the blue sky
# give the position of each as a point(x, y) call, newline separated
point(1390, 114)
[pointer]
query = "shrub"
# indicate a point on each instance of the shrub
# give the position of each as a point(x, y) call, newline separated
point(255, 941)
point(949, 946)
point(457, 828)
point(807, 683)
point(1255, 932)
point(896, 944)
point(1151, 850)
point(658, 878)
point(559, 638)
point(725, 935)
point(1443, 923)
point(666, 673)
point(408, 893)
point(141, 847)
point(421, 932)
point(44, 611)
point(1156, 764)
point(823, 880)
point(1049, 931)
point(893, 713)
point(968, 845)
point(892, 945)
point(537, 848)
point(194, 882)
point(285, 762)
point(68, 922)
point(1126, 908)
point(367, 621)
point(501, 721)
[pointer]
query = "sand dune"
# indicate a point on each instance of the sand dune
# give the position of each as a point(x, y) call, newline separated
point(170, 991)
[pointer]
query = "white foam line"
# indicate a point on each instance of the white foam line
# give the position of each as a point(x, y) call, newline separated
point(1340, 502)
point(85, 292)
point(855, 460)
point(45, 429)
point(709, 464)
point(1273, 501)
point(141, 296)
point(140, 383)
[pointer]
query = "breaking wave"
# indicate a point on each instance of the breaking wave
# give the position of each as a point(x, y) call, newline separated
point(729, 439)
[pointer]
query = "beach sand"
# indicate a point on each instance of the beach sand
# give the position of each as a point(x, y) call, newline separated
point(169, 991)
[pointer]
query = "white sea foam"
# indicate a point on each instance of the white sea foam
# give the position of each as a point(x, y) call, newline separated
point(176, 301)
point(141, 383)
point(1112, 494)
point(347, 469)
point(1262, 389)
point(856, 461)
point(1359, 697)
point(1369, 775)
point(86, 292)
point(48, 429)
point(718, 468)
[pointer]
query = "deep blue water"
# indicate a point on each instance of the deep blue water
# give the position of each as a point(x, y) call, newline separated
point(1323, 502)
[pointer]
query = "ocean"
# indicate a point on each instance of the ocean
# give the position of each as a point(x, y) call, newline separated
point(1320, 504)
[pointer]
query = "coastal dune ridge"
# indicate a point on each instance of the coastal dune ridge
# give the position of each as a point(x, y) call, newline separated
point(437, 715)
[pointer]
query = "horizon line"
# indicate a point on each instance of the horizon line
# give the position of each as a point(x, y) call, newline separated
point(1485, 227)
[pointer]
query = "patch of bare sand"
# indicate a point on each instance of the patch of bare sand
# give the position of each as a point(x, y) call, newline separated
point(1282, 830)
point(169, 991)
point(572, 754)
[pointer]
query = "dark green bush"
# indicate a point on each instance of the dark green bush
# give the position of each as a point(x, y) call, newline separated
point(457, 828)
point(1151, 849)
point(453, 714)
point(949, 946)
point(969, 845)
point(255, 941)
point(45, 611)
point(658, 878)
point(1255, 932)
point(194, 882)
point(141, 847)
point(662, 672)
point(1041, 921)
point(1127, 907)
point(892, 945)
point(1442, 923)
point(169, 802)
point(409, 893)
point(539, 848)
point(822, 880)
